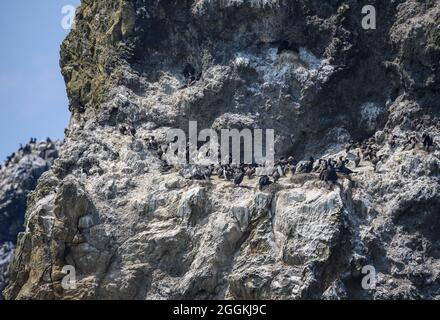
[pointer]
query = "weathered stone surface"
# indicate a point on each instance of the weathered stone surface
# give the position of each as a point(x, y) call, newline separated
point(18, 178)
point(134, 232)
point(6, 252)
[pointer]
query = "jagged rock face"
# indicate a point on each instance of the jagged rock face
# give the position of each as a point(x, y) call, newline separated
point(17, 179)
point(6, 252)
point(133, 232)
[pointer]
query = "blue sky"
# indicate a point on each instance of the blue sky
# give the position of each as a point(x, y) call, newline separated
point(33, 100)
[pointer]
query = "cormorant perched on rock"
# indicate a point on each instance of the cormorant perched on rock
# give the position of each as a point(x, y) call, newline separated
point(27, 149)
point(152, 144)
point(376, 160)
point(238, 179)
point(9, 159)
point(208, 172)
point(198, 174)
point(292, 169)
point(123, 130)
point(280, 170)
point(331, 172)
point(215, 169)
point(392, 141)
point(411, 143)
point(250, 172)
point(428, 142)
point(368, 153)
point(291, 161)
point(343, 169)
point(323, 173)
point(309, 166)
point(189, 72)
point(319, 167)
point(132, 130)
point(283, 161)
point(220, 172)
point(349, 146)
point(159, 153)
point(357, 160)
point(276, 176)
point(264, 181)
point(340, 163)
point(229, 174)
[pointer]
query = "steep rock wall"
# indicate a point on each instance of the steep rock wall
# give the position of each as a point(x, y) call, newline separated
point(19, 177)
point(134, 232)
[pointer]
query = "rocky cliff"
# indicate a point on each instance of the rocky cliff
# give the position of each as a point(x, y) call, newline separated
point(306, 68)
point(18, 177)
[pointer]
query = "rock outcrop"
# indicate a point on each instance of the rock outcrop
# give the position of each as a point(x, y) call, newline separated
point(18, 178)
point(133, 231)
point(6, 252)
